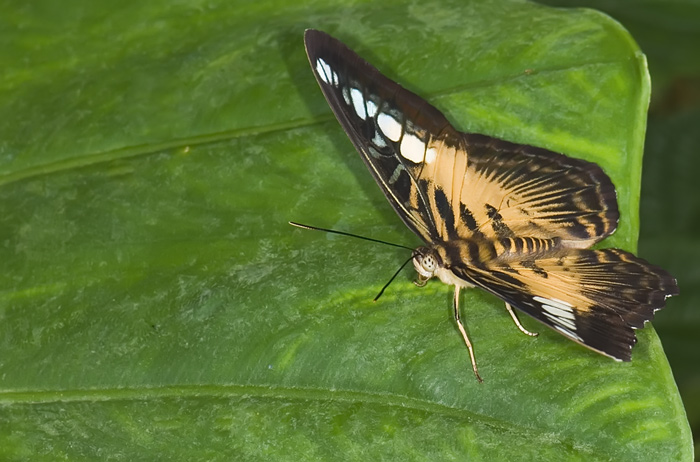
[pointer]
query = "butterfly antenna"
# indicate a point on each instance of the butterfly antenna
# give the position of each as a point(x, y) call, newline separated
point(333, 231)
point(392, 279)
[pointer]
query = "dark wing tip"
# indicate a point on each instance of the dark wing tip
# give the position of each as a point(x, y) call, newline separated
point(638, 289)
point(312, 36)
point(318, 42)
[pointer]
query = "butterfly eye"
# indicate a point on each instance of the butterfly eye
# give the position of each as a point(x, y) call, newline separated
point(429, 264)
point(425, 262)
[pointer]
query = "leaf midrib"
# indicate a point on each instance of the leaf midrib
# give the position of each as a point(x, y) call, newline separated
point(297, 394)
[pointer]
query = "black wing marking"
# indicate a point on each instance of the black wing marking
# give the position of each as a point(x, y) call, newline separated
point(521, 190)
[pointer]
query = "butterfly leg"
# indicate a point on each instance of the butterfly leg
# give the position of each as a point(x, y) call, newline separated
point(517, 322)
point(464, 334)
point(421, 281)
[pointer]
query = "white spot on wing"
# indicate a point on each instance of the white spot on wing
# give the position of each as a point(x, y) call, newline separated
point(378, 140)
point(346, 96)
point(389, 126)
point(562, 303)
point(358, 102)
point(412, 148)
point(557, 308)
point(568, 333)
point(560, 314)
point(371, 108)
point(323, 70)
point(430, 155)
point(397, 172)
point(568, 323)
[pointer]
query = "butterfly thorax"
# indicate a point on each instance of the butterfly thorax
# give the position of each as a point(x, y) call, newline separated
point(439, 259)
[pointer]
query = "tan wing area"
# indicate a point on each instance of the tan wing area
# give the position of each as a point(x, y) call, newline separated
point(499, 189)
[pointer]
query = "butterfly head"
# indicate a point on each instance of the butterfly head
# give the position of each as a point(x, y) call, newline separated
point(427, 262)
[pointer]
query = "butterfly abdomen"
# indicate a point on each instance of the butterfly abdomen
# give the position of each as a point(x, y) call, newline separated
point(480, 251)
point(525, 247)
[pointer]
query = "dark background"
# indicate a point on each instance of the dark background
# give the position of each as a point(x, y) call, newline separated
point(669, 34)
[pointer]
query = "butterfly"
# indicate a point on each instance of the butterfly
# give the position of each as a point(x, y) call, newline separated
point(514, 220)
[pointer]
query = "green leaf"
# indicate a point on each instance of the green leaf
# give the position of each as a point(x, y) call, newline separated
point(156, 305)
point(669, 34)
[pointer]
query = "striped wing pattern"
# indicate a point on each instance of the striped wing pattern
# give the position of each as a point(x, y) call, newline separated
point(513, 219)
point(518, 190)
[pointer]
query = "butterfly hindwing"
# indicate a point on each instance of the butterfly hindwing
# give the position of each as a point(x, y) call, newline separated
point(594, 297)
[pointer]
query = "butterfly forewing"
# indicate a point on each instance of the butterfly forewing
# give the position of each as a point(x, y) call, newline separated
point(521, 190)
point(445, 184)
point(394, 130)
